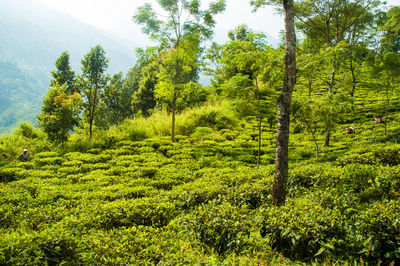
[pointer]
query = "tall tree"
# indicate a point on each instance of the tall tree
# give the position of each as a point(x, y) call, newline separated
point(282, 138)
point(182, 19)
point(284, 100)
point(93, 81)
point(175, 87)
point(64, 74)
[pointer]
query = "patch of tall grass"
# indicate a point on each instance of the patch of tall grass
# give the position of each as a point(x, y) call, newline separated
point(214, 116)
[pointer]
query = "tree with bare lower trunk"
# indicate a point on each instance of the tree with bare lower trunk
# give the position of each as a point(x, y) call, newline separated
point(282, 138)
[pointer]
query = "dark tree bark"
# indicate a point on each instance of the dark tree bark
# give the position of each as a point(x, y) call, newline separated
point(259, 141)
point(353, 75)
point(332, 80)
point(282, 138)
point(173, 119)
point(327, 139)
point(387, 103)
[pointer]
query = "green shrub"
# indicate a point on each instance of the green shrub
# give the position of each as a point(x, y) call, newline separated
point(303, 229)
point(148, 171)
point(365, 158)
point(140, 245)
point(379, 229)
point(143, 211)
point(304, 176)
point(217, 119)
point(252, 194)
point(28, 131)
point(49, 247)
point(69, 170)
point(39, 162)
point(358, 177)
point(41, 173)
point(87, 157)
point(72, 163)
point(182, 174)
point(202, 132)
point(228, 134)
point(198, 192)
point(11, 173)
point(119, 192)
point(47, 154)
point(95, 151)
point(267, 158)
point(165, 183)
point(389, 155)
point(94, 166)
point(222, 227)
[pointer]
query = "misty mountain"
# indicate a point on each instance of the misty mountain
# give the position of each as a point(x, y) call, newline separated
point(33, 35)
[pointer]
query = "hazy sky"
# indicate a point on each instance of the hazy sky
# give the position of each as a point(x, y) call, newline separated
point(110, 14)
point(116, 15)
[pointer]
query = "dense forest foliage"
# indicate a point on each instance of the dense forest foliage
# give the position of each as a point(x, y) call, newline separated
point(152, 167)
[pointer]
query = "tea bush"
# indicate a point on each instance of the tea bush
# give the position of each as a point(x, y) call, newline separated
point(388, 155)
point(49, 247)
point(8, 174)
point(303, 229)
point(142, 211)
point(379, 228)
point(221, 227)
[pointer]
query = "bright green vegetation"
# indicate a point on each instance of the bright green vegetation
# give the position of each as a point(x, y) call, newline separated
point(153, 167)
point(130, 195)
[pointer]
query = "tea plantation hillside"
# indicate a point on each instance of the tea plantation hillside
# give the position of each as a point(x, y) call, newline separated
point(130, 196)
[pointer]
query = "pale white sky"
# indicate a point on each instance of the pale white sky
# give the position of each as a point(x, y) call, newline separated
point(111, 14)
point(116, 16)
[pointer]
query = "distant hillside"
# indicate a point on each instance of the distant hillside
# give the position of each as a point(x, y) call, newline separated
point(33, 35)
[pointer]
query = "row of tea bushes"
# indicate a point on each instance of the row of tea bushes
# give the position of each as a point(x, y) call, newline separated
point(200, 200)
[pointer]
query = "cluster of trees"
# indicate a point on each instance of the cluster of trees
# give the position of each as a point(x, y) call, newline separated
point(344, 45)
point(93, 96)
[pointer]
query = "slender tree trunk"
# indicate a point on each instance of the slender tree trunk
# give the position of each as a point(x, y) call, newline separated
point(316, 145)
point(327, 138)
point(173, 119)
point(90, 126)
point(332, 81)
point(282, 138)
point(92, 111)
point(387, 104)
point(259, 123)
point(259, 141)
point(352, 75)
point(314, 139)
point(173, 108)
point(309, 87)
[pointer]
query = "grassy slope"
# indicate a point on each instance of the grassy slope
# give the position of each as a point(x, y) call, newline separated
point(127, 198)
